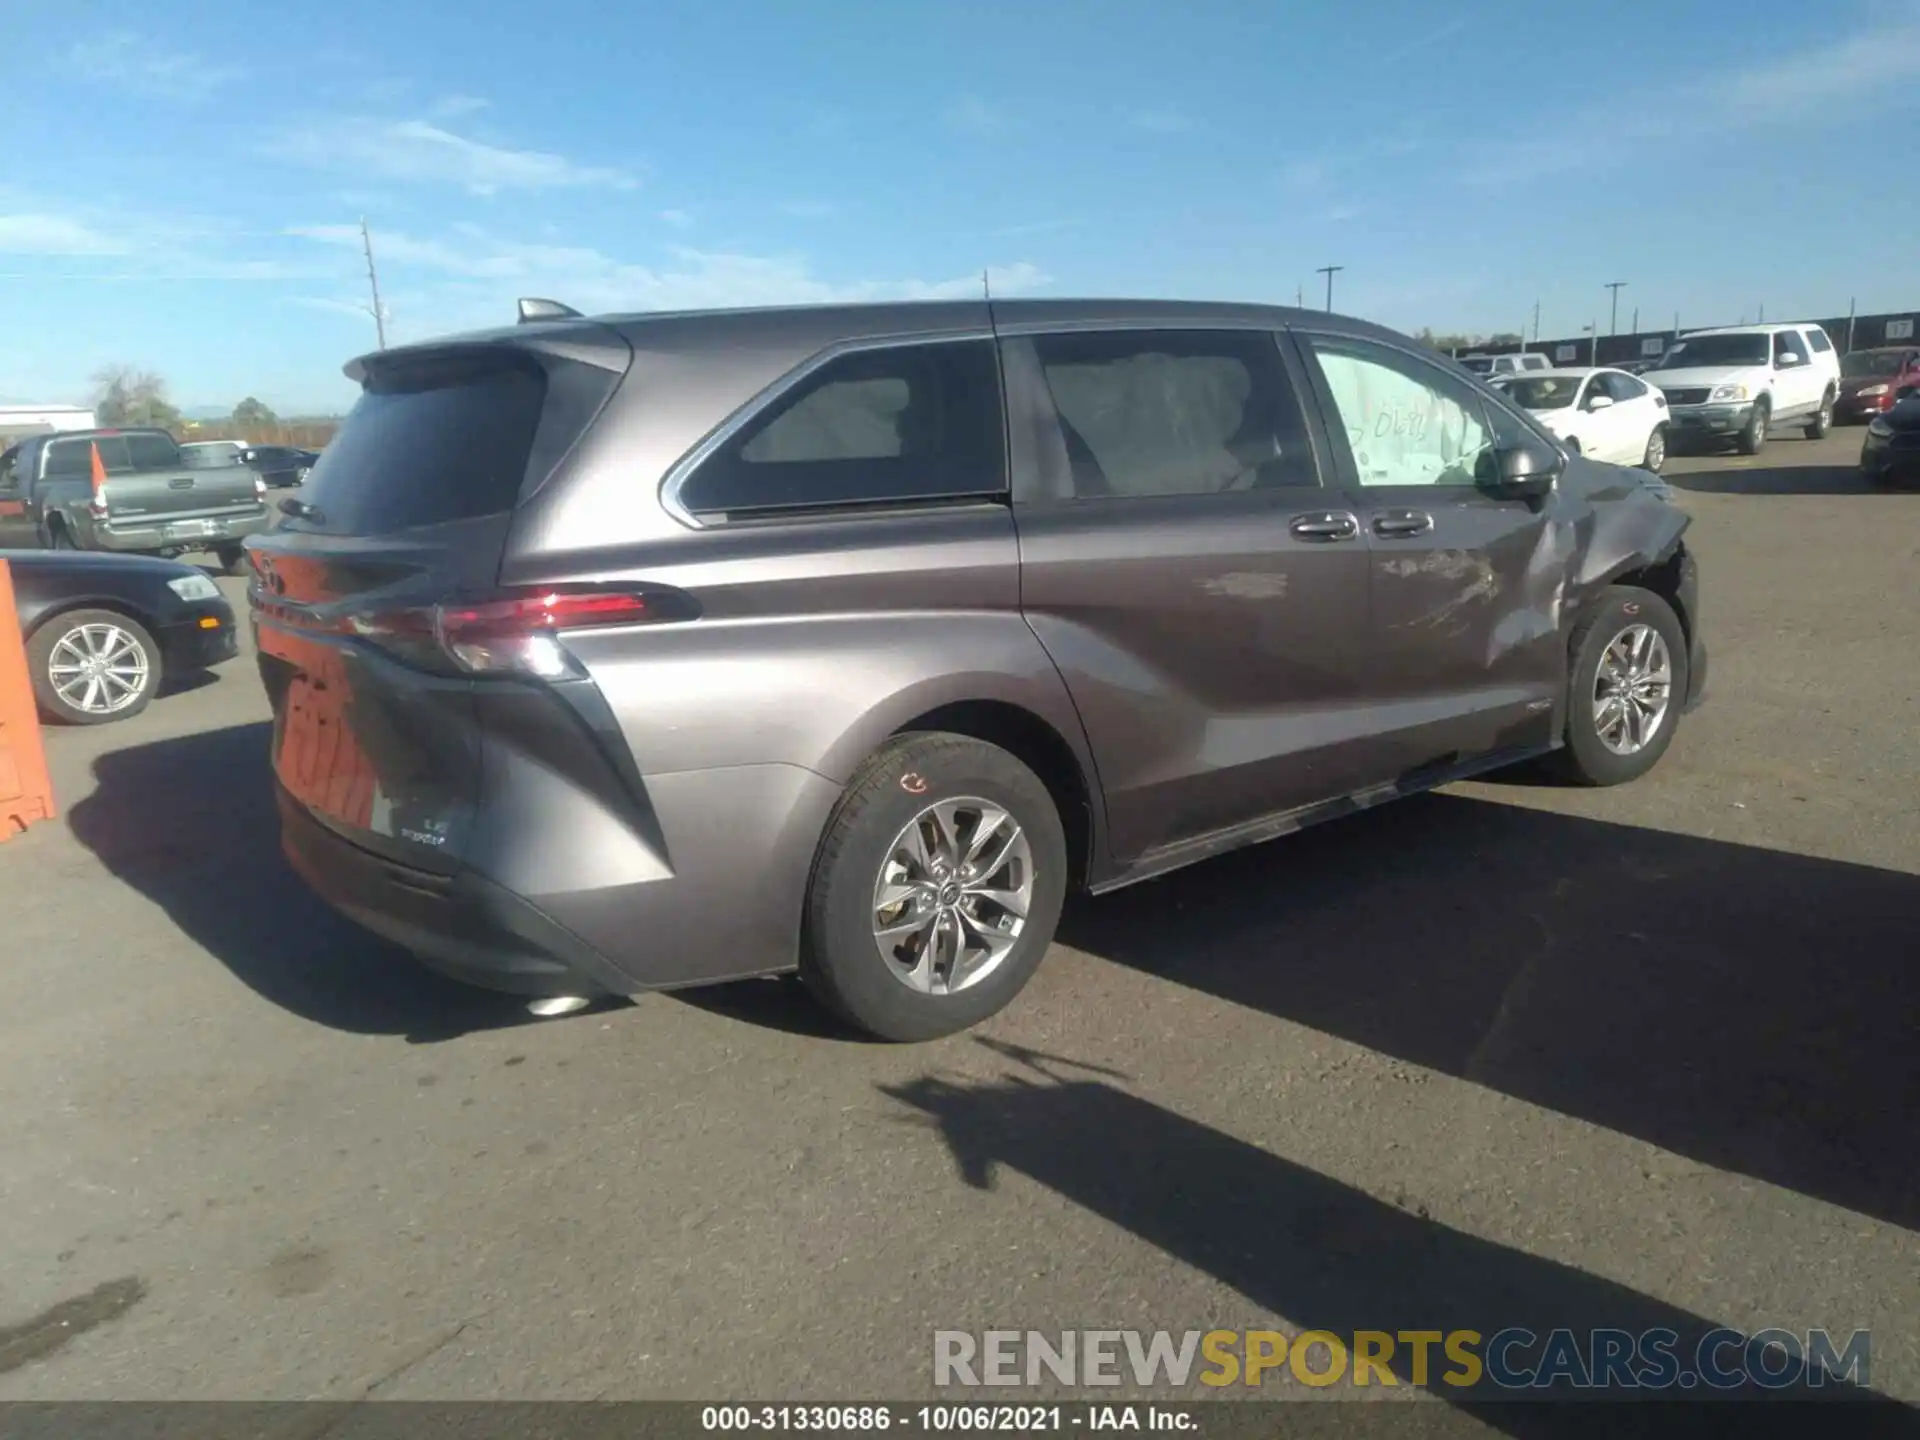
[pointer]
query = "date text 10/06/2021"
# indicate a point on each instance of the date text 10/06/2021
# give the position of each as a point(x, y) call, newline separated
point(943, 1419)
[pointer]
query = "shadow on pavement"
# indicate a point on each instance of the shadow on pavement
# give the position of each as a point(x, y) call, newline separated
point(775, 1003)
point(1753, 1010)
point(190, 823)
point(1765, 478)
point(1327, 1256)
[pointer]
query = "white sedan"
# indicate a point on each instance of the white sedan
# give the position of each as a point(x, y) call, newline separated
point(1602, 414)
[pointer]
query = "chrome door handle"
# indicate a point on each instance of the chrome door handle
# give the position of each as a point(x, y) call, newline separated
point(1327, 525)
point(1402, 523)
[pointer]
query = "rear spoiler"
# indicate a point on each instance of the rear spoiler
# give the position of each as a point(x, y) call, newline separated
point(532, 309)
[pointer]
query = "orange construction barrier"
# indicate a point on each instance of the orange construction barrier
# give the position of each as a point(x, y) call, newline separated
point(26, 794)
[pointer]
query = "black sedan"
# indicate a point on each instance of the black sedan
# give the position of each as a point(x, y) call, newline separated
point(103, 630)
point(280, 466)
point(1890, 454)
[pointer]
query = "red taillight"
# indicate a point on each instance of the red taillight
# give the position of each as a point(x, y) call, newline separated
point(259, 489)
point(511, 634)
point(97, 506)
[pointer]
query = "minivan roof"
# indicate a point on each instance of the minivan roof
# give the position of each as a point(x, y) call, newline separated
point(802, 325)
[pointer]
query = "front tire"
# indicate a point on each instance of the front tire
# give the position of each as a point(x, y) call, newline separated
point(1822, 422)
point(1656, 455)
point(1753, 438)
point(92, 667)
point(1628, 684)
point(937, 888)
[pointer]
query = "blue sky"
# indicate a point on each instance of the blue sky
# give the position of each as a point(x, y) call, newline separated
point(183, 179)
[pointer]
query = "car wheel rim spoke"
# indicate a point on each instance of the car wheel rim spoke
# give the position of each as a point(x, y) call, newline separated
point(98, 669)
point(1632, 689)
point(952, 896)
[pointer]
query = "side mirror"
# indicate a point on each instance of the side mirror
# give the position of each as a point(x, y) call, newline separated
point(1526, 471)
point(1788, 359)
point(1599, 402)
point(1906, 392)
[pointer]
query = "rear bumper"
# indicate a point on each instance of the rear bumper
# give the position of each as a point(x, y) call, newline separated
point(463, 926)
point(203, 533)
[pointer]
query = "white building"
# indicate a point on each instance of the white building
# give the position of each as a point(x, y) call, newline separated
point(21, 420)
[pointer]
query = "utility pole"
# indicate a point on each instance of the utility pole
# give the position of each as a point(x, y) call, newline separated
point(1329, 271)
point(1613, 320)
point(1299, 297)
point(1850, 303)
point(373, 283)
point(1636, 320)
point(1536, 322)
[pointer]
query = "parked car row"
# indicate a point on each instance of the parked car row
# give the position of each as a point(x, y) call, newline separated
point(848, 640)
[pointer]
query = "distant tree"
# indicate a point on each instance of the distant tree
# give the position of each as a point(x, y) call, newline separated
point(123, 395)
point(253, 414)
point(1449, 342)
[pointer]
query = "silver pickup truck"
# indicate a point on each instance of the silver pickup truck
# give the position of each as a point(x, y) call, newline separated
point(129, 491)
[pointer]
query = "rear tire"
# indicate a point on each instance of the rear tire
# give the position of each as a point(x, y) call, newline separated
point(231, 558)
point(1753, 439)
point(1822, 422)
point(1599, 750)
point(908, 821)
point(1656, 455)
point(58, 538)
point(57, 655)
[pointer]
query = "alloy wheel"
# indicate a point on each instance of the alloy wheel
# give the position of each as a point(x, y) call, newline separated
point(1632, 689)
point(98, 668)
point(952, 896)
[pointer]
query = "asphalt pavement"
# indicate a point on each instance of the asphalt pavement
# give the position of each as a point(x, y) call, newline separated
point(1633, 1057)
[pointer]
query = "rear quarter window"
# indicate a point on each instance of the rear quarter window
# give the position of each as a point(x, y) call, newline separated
point(1818, 339)
point(897, 425)
point(429, 445)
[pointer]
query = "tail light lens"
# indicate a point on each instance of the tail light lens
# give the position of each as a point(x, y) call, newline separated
point(512, 634)
point(259, 489)
point(97, 506)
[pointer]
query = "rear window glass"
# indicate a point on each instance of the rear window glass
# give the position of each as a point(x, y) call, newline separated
point(73, 459)
point(152, 452)
point(427, 447)
point(897, 425)
point(1818, 339)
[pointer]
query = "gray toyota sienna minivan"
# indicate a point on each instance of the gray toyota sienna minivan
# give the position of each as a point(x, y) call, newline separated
point(617, 654)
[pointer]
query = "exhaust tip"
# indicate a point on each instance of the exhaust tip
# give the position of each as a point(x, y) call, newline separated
point(549, 1006)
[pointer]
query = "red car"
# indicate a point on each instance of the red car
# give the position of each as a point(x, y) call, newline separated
point(1870, 378)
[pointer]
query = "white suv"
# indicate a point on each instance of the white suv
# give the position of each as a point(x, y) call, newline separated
point(1742, 381)
point(1524, 362)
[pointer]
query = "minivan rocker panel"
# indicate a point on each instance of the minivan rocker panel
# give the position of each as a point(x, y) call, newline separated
point(606, 655)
